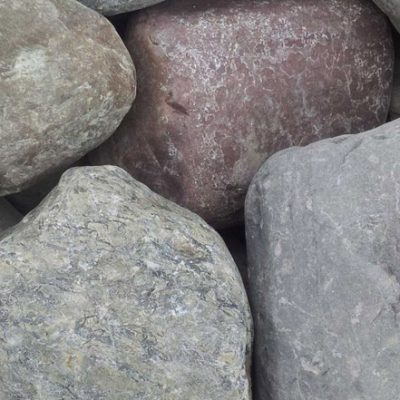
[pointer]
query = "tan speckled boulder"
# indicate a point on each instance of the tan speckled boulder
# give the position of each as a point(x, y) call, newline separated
point(66, 82)
point(109, 291)
point(223, 84)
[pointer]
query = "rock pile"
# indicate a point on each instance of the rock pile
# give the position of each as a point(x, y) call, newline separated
point(113, 290)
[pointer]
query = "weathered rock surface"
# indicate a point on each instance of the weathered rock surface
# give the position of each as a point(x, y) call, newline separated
point(113, 7)
point(66, 82)
point(9, 216)
point(323, 230)
point(109, 291)
point(392, 9)
point(31, 197)
point(225, 83)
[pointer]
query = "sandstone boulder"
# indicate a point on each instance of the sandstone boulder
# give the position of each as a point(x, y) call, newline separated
point(9, 216)
point(323, 230)
point(109, 291)
point(66, 81)
point(113, 7)
point(222, 84)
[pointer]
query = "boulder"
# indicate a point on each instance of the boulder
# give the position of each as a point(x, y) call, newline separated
point(109, 291)
point(66, 82)
point(323, 234)
point(113, 7)
point(9, 216)
point(223, 84)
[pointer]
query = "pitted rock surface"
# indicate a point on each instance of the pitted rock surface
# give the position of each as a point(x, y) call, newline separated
point(113, 7)
point(223, 84)
point(109, 291)
point(9, 216)
point(66, 82)
point(323, 236)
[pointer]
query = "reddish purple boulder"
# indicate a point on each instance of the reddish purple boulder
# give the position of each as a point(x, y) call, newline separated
point(223, 84)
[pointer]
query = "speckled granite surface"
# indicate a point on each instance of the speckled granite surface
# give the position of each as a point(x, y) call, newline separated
point(108, 291)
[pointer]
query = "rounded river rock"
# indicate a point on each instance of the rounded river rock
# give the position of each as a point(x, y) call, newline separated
point(223, 84)
point(323, 230)
point(66, 82)
point(109, 291)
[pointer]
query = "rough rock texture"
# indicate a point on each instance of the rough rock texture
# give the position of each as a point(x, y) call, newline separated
point(9, 216)
point(66, 81)
point(222, 84)
point(323, 230)
point(29, 198)
point(392, 9)
point(113, 7)
point(109, 291)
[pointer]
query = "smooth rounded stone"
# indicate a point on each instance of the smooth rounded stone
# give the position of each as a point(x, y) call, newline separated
point(113, 7)
point(392, 9)
point(222, 84)
point(9, 216)
point(66, 82)
point(323, 232)
point(109, 291)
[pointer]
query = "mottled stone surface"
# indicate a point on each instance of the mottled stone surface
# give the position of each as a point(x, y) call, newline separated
point(66, 82)
point(323, 230)
point(9, 216)
point(392, 9)
point(222, 84)
point(113, 7)
point(109, 291)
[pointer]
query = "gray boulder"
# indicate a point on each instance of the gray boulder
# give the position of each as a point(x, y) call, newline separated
point(9, 216)
point(109, 291)
point(66, 82)
point(323, 231)
point(113, 7)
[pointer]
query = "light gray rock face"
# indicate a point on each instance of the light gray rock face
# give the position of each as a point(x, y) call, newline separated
point(392, 9)
point(66, 81)
point(109, 291)
point(113, 7)
point(9, 216)
point(323, 232)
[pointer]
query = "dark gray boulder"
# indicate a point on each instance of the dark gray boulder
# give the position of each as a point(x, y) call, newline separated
point(109, 291)
point(323, 234)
